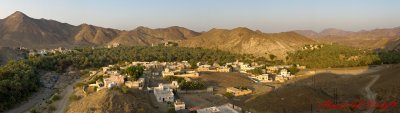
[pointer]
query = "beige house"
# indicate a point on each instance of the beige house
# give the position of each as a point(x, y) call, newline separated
point(114, 80)
point(224, 69)
point(209, 68)
point(263, 78)
point(136, 84)
point(237, 91)
point(167, 72)
point(205, 68)
point(189, 74)
point(179, 105)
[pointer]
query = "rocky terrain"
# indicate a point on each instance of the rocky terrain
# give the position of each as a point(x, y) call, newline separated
point(112, 101)
point(377, 38)
point(244, 40)
point(306, 93)
point(7, 54)
point(19, 29)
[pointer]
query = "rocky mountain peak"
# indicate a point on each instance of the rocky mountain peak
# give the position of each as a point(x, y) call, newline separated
point(242, 29)
point(17, 16)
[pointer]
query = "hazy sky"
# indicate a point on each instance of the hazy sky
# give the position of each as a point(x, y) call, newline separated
point(202, 15)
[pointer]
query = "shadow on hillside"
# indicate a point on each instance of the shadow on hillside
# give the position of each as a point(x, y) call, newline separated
point(307, 93)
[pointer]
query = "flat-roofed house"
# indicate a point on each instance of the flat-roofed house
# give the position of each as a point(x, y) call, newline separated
point(114, 80)
point(164, 92)
point(135, 84)
point(179, 105)
point(238, 91)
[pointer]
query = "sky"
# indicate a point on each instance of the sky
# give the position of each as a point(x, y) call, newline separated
point(203, 15)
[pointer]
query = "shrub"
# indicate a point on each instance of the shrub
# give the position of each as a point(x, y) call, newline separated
point(171, 110)
point(55, 98)
point(124, 89)
point(175, 78)
point(52, 108)
point(80, 84)
point(229, 95)
point(74, 97)
point(293, 70)
point(33, 111)
point(191, 85)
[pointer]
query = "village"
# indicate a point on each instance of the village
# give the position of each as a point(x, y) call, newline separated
point(184, 88)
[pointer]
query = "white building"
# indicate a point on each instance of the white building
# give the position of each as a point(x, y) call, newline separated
point(263, 78)
point(163, 92)
point(179, 105)
point(113, 81)
point(284, 73)
point(203, 68)
point(167, 72)
point(227, 108)
point(43, 52)
point(245, 67)
point(113, 45)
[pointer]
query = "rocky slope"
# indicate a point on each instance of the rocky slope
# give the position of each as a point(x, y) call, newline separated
point(19, 29)
point(147, 36)
point(112, 101)
point(244, 40)
point(7, 54)
point(89, 34)
point(378, 38)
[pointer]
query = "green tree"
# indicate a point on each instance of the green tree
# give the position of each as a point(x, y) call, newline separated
point(272, 57)
point(134, 72)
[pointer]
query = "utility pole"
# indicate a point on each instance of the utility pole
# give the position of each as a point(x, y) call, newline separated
point(312, 111)
point(314, 82)
point(335, 95)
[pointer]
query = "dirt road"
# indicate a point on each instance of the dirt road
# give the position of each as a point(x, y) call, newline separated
point(64, 101)
point(37, 98)
point(371, 96)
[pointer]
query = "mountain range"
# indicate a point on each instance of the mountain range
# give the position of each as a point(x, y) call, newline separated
point(387, 38)
point(244, 40)
point(19, 29)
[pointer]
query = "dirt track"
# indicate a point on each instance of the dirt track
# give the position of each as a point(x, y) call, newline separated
point(35, 99)
point(344, 71)
point(63, 103)
point(371, 96)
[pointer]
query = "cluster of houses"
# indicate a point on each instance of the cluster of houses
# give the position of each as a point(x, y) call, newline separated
point(113, 45)
point(180, 73)
point(165, 92)
point(273, 73)
point(43, 52)
point(215, 68)
point(228, 67)
point(112, 78)
point(312, 46)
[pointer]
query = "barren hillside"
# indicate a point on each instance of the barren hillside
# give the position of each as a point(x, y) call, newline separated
point(244, 40)
point(112, 101)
